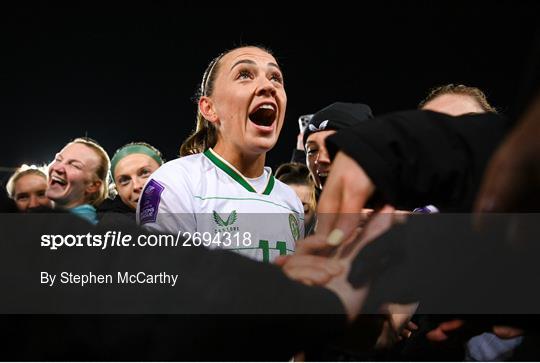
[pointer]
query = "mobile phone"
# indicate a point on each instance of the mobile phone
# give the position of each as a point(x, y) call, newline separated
point(303, 121)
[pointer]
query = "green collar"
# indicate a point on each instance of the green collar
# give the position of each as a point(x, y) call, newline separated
point(235, 174)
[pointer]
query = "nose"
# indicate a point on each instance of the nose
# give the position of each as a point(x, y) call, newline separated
point(138, 184)
point(57, 166)
point(34, 201)
point(266, 87)
point(323, 158)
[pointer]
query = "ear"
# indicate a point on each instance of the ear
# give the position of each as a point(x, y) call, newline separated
point(206, 106)
point(93, 187)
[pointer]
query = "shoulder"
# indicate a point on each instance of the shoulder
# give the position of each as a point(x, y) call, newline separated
point(173, 179)
point(288, 195)
point(177, 170)
point(170, 188)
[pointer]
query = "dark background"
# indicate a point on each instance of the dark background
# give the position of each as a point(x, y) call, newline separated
point(128, 73)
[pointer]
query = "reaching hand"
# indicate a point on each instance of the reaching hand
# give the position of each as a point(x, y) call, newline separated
point(342, 200)
point(333, 271)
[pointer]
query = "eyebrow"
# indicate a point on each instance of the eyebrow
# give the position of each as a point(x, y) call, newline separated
point(249, 61)
point(70, 160)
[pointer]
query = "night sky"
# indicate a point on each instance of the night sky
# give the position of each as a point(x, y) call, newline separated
point(129, 73)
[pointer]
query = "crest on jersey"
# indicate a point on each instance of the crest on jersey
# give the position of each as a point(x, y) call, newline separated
point(293, 223)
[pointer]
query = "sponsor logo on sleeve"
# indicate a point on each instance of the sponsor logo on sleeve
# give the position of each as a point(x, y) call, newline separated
point(150, 202)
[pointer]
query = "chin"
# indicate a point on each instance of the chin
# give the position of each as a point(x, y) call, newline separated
point(262, 149)
point(265, 144)
point(53, 197)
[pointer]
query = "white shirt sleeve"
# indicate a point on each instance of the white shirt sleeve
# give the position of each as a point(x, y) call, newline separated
point(166, 203)
point(301, 216)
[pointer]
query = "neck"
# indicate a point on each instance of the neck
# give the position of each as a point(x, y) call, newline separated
point(250, 165)
point(70, 205)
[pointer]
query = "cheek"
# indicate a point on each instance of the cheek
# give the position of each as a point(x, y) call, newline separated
point(124, 192)
point(232, 104)
point(283, 99)
point(75, 177)
point(21, 203)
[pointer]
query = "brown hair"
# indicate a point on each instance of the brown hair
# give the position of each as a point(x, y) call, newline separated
point(296, 173)
point(459, 89)
point(205, 134)
point(102, 171)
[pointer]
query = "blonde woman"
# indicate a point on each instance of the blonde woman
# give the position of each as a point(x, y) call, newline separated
point(78, 178)
point(27, 187)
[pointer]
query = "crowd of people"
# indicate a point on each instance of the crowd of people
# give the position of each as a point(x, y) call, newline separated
point(327, 225)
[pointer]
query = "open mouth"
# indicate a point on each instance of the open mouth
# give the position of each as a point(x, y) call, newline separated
point(57, 181)
point(264, 115)
point(323, 177)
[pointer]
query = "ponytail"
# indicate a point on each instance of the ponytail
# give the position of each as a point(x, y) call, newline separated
point(204, 137)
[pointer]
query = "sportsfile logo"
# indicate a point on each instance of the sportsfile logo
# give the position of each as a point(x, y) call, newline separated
point(225, 225)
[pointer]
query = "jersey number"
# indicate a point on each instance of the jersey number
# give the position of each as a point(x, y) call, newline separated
point(265, 247)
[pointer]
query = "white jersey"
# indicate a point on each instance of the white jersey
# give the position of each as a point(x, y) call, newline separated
point(260, 218)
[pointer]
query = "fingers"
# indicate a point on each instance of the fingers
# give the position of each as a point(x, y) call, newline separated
point(281, 260)
point(379, 223)
point(405, 334)
point(315, 270)
point(350, 214)
point(451, 325)
point(329, 204)
point(441, 333)
point(412, 326)
point(313, 245)
point(507, 332)
point(436, 335)
point(344, 196)
point(408, 330)
point(308, 275)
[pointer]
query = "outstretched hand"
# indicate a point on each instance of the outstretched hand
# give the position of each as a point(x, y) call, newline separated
point(332, 271)
point(345, 193)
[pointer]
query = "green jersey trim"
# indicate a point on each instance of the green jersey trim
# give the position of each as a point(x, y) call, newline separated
point(233, 173)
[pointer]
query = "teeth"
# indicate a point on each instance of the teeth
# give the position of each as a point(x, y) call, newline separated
point(58, 180)
point(267, 107)
point(323, 174)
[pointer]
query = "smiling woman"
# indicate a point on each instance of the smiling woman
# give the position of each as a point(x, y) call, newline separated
point(27, 188)
point(241, 110)
point(131, 166)
point(78, 178)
